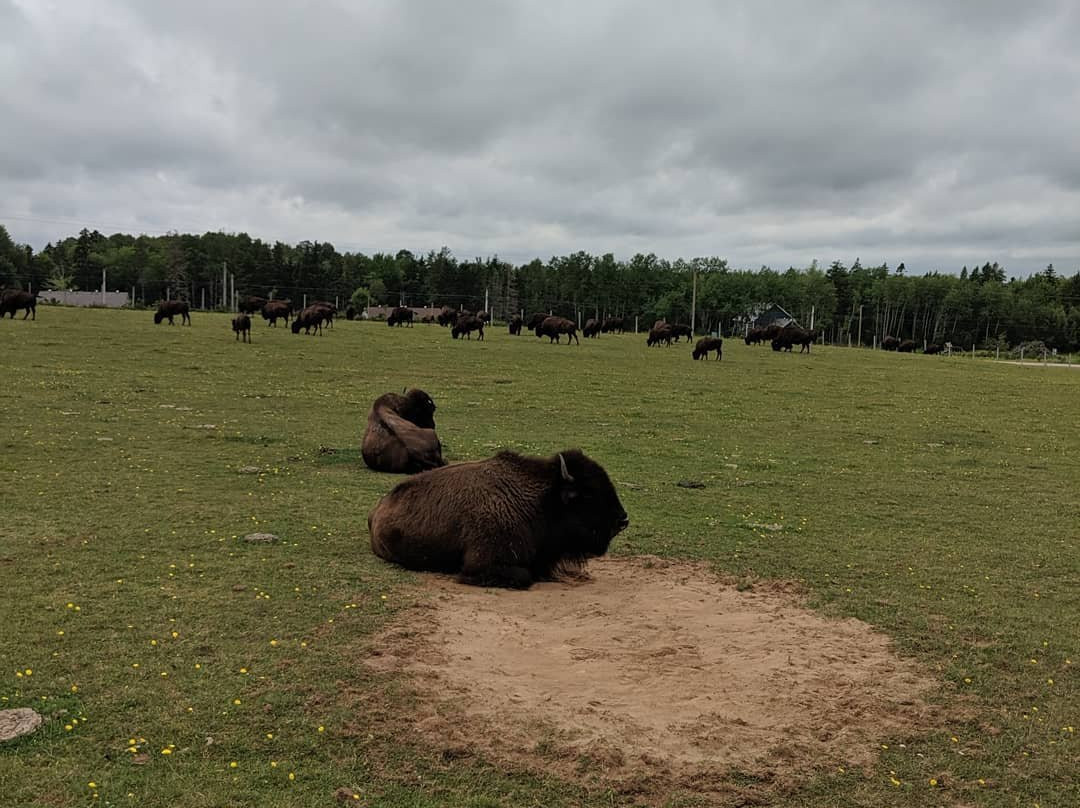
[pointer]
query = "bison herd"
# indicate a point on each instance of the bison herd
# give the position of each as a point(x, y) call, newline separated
point(506, 521)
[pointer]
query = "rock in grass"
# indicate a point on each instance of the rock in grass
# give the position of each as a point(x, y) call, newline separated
point(248, 470)
point(261, 538)
point(18, 722)
point(690, 484)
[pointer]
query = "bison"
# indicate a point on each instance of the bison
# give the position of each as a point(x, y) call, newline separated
point(906, 346)
point(241, 324)
point(483, 316)
point(466, 325)
point(755, 336)
point(167, 309)
point(400, 436)
point(275, 309)
point(591, 329)
point(515, 325)
point(447, 316)
point(506, 521)
point(427, 318)
point(12, 300)
point(681, 330)
point(350, 312)
point(612, 325)
point(312, 317)
point(535, 320)
point(890, 343)
point(706, 344)
point(552, 327)
point(932, 348)
point(791, 335)
point(400, 316)
point(659, 333)
point(251, 304)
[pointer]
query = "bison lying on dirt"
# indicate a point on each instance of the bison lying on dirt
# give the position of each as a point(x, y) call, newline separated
point(400, 436)
point(706, 344)
point(552, 327)
point(505, 521)
point(167, 309)
point(241, 324)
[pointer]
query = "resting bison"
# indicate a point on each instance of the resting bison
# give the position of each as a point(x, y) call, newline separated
point(400, 436)
point(706, 344)
point(932, 348)
point(791, 335)
point(505, 521)
point(552, 327)
point(400, 316)
point(241, 324)
point(275, 309)
point(313, 317)
point(167, 309)
point(515, 325)
point(535, 320)
point(251, 304)
point(658, 334)
point(466, 325)
point(907, 346)
point(591, 329)
point(13, 299)
point(681, 330)
point(613, 324)
point(890, 343)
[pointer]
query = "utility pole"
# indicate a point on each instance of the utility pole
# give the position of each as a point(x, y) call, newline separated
point(860, 325)
point(812, 318)
point(693, 306)
point(232, 281)
point(224, 285)
point(103, 286)
point(486, 291)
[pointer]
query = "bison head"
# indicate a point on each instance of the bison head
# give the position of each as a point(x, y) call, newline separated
point(419, 408)
point(296, 326)
point(592, 514)
point(158, 317)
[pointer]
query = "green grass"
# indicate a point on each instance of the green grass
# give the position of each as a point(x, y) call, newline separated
point(938, 499)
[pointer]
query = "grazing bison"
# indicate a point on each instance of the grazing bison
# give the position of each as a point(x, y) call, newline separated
point(612, 325)
point(535, 320)
point(400, 316)
point(466, 325)
point(932, 348)
point(659, 333)
point(350, 312)
point(681, 330)
point(907, 346)
point(890, 343)
point(515, 325)
point(706, 344)
point(241, 324)
point(755, 336)
point(552, 327)
point(400, 436)
point(447, 316)
point(251, 304)
point(12, 300)
point(312, 317)
point(484, 317)
point(167, 309)
point(591, 329)
point(505, 521)
point(791, 335)
point(428, 318)
point(275, 309)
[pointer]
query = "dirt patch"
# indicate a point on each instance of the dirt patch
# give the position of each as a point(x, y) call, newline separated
point(651, 675)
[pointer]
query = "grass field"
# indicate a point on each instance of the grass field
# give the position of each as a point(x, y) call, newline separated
point(937, 499)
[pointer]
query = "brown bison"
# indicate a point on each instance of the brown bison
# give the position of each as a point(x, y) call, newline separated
point(447, 316)
point(275, 309)
point(755, 336)
point(251, 304)
point(591, 329)
point(465, 325)
point(791, 335)
point(907, 346)
point(483, 316)
point(428, 318)
point(612, 325)
point(681, 330)
point(313, 317)
point(400, 436)
point(505, 521)
point(706, 344)
point(11, 300)
point(241, 324)
point(932, 348)
point(167, 309)
point(515, 325)
point(535, 320)
point(401, 316)
point(890, 343)
point(659, 333)
point(553, 327)
point(350, 312)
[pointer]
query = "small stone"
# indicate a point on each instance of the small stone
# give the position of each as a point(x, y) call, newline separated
point(261, 538)
point(690, 484)
point(871, 442)
point(239, 588)
point(18, 722)
point(248, 470)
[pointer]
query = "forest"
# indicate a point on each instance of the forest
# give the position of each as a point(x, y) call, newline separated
point(853, 303)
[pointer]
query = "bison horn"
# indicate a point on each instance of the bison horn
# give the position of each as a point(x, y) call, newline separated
point(565, 471)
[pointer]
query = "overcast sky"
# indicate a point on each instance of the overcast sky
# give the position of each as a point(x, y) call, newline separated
point(934, 133)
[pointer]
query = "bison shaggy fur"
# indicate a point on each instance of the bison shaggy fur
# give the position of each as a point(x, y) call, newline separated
point(552, 327)
point(241, 324)
point(515, 325)
point(890, 343)
point(465, 325)
point(11, 300)
point(400, 436)
point(505, 521)
point(167, 309)
point(706, 344)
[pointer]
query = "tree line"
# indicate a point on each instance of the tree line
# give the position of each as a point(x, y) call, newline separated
point(856, 303)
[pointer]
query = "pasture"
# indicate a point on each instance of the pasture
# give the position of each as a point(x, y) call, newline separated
point(936, 499)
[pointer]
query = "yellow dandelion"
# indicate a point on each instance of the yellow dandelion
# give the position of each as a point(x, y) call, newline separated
point(273, 764)
point(243, 670)
point(273, 642)
point(322, 729)
point(92, 784)
point(292, 775)
point(933, 781)
point(198, 666)
point(74, 688)
point(236, 701)
point(68, 727)
point(29, 672)
point(233, 764)
point(166, 751)
point(270, 736)
point(894, 781)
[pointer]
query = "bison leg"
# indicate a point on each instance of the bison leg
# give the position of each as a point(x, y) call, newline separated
point(574, 335)
point(507, 577)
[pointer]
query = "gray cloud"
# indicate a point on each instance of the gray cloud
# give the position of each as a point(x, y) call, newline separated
point(767, 132)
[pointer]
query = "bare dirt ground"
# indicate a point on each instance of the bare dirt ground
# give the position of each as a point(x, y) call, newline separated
point(650, 676)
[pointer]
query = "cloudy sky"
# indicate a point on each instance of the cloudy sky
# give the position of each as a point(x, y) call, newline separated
point(934, 133)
